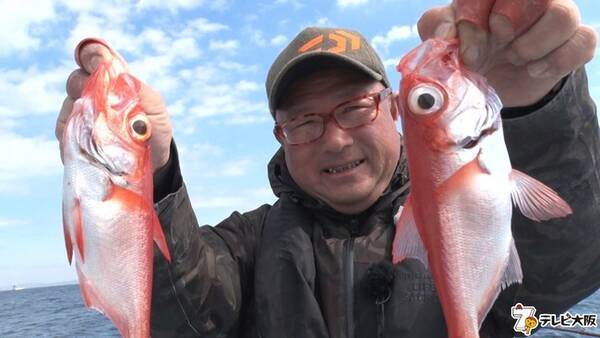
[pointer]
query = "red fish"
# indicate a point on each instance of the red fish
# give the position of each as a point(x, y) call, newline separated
point(108, 217)
point(457, 217)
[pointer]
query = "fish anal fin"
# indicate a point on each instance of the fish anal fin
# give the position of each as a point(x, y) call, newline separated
point(536, 200)
point(92, 301)
point(159, 237)
point(513, 273)
point(67, 233)
point(79, 229)
point(407, 241)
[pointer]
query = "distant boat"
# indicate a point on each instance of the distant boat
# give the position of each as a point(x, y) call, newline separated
point(17, 288)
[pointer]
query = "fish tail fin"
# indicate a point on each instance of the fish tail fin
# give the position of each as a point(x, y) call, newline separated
point(536, 200)
point(92, 301)
point(407, 241)
point(159, 237)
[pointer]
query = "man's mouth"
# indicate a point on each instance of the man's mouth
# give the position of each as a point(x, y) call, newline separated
point(345, 167)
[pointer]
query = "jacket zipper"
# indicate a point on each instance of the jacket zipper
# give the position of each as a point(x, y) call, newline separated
point(349, 278)
point(349, 270)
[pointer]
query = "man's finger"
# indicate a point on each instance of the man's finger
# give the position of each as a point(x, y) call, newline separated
point(75, 83)
point(437, 22)
point(476, 12)
point(65, 111)
point(551, 31)
point(521, 14)
point(576, 52)
point(473, 44)
point(91, 54)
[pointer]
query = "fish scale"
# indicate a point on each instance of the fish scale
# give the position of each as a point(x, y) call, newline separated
point(108, 217)
point(457, 216)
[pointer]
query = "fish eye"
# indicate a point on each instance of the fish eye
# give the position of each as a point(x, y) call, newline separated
point(425, 99)
point(139, 127)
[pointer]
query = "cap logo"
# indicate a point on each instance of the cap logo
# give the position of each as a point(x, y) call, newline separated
point(339, 39)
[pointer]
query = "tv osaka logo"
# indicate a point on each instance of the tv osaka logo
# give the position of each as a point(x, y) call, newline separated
point(526, 320)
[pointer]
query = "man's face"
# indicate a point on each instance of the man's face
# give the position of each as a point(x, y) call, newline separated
point(375, 146)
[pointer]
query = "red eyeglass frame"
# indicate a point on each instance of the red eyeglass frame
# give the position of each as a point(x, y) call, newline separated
point(379, 97)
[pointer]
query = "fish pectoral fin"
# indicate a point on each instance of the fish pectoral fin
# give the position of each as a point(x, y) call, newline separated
point(513, 273)
point(159, 237)
point(407, 241)
point(79, 229)
point(67, 233)
point(536, 200)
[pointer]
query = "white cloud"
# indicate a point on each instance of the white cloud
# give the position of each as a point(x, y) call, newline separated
point(30, 157)
point(351, 3)
point(32, 91)
point(203, 26)
point(321, 22)
point(224, 45)
point(247, 86)
point(278, 40)
point(257, 37)
point(391, 62)
point(171, 5)
point(235, 168)
point(295, 3)
point(17, 18)
point(396, 33)
point(98, 26)
point(6, 222)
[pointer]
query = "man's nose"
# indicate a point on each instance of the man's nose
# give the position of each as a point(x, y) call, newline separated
point(334, 138)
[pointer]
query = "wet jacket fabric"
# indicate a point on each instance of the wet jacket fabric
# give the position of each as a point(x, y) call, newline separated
point(300, 269)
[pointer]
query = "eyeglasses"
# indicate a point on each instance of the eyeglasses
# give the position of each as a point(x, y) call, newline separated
point(351, 114)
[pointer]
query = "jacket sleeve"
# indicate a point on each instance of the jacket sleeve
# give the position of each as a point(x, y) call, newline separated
point(205, 289)
point(558, 144)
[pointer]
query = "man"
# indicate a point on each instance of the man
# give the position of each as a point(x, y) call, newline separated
point(316, 263)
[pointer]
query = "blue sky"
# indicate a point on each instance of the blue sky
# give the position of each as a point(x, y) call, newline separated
point(209, 59)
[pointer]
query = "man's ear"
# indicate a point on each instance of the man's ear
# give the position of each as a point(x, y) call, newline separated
point(277, 134)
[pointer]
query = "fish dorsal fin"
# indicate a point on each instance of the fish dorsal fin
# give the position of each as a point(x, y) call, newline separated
point(535, 200)
point(407, 241)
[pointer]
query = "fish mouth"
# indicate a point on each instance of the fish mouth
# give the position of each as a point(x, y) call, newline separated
point(470, 142)
point(95, 156)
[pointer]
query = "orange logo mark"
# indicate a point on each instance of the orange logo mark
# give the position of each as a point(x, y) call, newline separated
point(340, 39)
point(310, 44)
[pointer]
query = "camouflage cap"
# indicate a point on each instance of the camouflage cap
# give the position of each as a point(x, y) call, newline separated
point(316, 48)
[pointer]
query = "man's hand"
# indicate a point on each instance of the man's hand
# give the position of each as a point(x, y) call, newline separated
point(90, 56)
point(524, 48)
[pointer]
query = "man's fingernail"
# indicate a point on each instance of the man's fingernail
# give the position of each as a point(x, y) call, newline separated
point(470, 54)
point(443, 30)
point(538, 69)
point(502, 28)
point(94, 61)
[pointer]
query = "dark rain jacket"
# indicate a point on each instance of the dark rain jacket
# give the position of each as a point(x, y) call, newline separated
point(299, 269)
